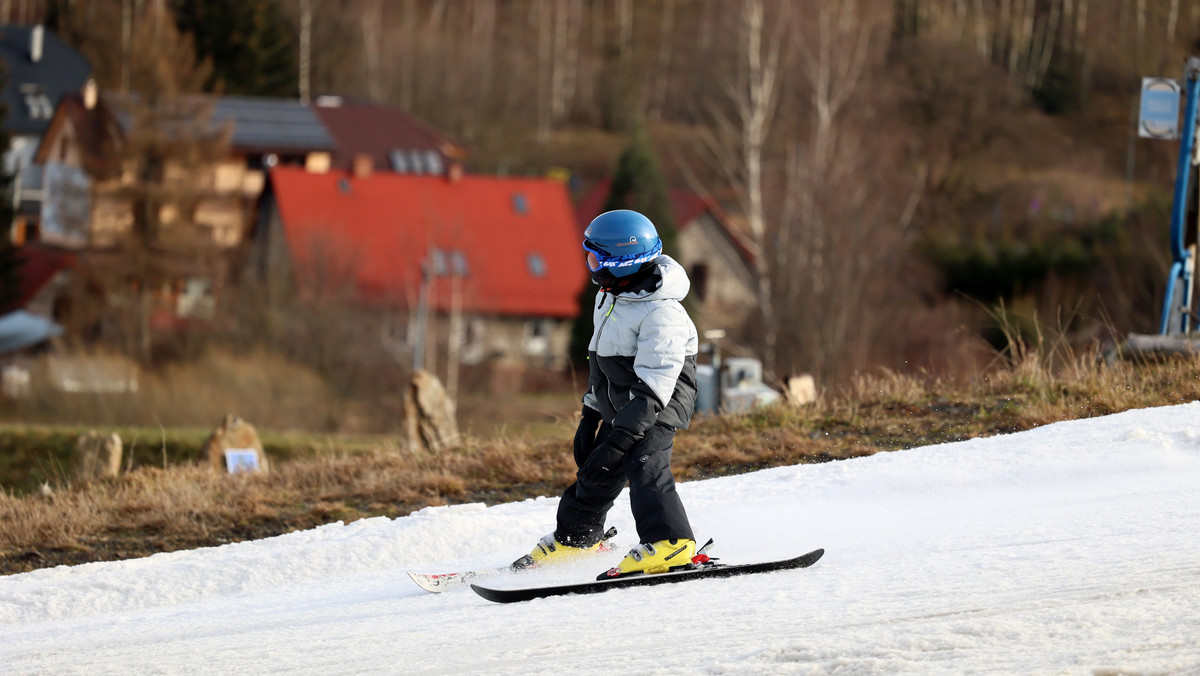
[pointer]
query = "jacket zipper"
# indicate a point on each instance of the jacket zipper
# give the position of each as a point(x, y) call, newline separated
point(599, 330)
point(604, 321)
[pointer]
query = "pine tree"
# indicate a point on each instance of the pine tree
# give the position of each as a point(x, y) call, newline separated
point(250, 43)
point(637, 184)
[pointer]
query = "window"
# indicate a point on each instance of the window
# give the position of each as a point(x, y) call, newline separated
point(343, 186)
point(520, 204)
point(536, 264)
point(37, 104)
point(398, 161)
point(194, 298)
point(447, 262)
point(437, 262)
point(433, 162)
point(537, 338)
point(700, 280)
point(458, 263)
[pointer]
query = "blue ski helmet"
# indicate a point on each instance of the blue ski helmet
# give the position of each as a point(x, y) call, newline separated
point(619, 242)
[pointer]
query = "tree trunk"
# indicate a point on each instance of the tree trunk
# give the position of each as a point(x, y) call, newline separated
point(372, 37)
point(757, 110)
point(544, 20)
point(305, 67)
point(662, 75)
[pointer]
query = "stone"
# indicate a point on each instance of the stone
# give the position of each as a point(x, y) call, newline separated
point(233, 434)
point(96, 455)
point(801, 390)
point(430, 413)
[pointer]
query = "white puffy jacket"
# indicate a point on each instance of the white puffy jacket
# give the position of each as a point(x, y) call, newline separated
point(642, 356)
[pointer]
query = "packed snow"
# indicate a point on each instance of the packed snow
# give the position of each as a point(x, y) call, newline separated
point(1070, 549)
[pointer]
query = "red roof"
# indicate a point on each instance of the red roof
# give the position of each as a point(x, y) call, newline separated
point(367, 129)
point(510, 245)
point(39, 264)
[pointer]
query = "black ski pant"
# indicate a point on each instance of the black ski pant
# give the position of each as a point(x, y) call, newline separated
point(656, 506)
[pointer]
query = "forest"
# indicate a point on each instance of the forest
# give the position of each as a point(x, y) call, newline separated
point(922, 180)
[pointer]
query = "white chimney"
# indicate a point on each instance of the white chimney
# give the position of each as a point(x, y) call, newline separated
point(36, 37)
point(90, 93)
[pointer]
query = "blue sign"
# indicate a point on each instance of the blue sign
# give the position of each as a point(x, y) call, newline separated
point(1159, 117)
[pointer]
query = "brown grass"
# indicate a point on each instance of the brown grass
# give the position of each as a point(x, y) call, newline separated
point(153, 509)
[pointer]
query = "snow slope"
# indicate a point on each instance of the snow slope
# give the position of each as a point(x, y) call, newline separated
point(1070, 549)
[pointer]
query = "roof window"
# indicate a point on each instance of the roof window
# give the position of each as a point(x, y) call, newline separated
point(458, 263)
point(343, 185)
point(437, 262)
point(520, 204)
point(433, 162)
point(37, 104)
point(536, 264)
point(448, 263)
point(399, 162)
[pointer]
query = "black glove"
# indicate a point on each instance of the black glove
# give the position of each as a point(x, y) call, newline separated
point(605, 461)
point(585, 435)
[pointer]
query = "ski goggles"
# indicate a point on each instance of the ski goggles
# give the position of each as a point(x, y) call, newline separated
point(598, 259)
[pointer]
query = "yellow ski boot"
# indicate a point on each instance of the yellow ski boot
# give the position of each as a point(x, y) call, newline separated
point(550, 551)
point(656, 557)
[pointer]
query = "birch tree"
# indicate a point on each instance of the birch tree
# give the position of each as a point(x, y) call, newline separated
point(741, 126)
point(835, 236)
point(307, 7)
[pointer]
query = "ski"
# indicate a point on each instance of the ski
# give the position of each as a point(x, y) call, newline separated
point(705, 569)
point(438, 583)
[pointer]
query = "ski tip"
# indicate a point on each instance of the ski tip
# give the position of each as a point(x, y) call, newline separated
point(434, 584)
point(493, 595)
point(812, 557)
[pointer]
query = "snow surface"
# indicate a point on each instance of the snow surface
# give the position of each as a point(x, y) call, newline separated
point(1069, 549)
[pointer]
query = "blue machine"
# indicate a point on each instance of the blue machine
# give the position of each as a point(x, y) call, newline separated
point(1178, 315)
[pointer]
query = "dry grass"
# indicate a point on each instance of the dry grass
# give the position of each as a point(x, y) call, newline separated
point(260, 386)
point(153, 509)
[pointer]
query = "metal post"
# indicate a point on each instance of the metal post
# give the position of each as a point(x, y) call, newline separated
point(1180, 281)
point(422, 313)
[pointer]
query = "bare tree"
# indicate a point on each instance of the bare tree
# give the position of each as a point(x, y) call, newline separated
point(662, 74)
point(371, 21)
point(740, 129)
point(171, 139)
point(836, 233)
point(307, 9)
point(568, 23)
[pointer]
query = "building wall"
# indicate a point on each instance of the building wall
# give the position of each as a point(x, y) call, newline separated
point(531, 343)
point(729, 296)
point(228, 191)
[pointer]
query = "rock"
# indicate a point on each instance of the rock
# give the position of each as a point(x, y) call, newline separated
point(801, 390)
point(96, 455)
point(233, 434)
point(430, 413)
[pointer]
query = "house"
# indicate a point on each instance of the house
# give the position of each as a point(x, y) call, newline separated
point(87, 206)
point(386, 137)
point(496, 261)
point(719, 260)
point(45, 272)
point(39, 69)
point(84, 140)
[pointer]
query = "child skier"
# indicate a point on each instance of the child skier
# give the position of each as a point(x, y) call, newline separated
point(641, 388)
